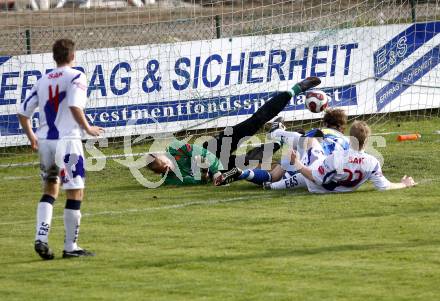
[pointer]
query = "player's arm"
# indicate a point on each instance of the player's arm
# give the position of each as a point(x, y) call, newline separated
point(304, 170)
point(188, 180)
point(178, 150)
point(25, 112)
point(207, 161)
point(172, 179)
point(380, 182)
point(77, 102)
point(214, 163)
point(80, 118)
point(324, 174)
point(404, 183)
point(25, 123)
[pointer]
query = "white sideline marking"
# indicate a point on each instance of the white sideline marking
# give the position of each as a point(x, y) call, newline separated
point(26, 164)
point(116, 156)
point(385, 133)
point(18, 177)
point(175, 206)
point(134, 210)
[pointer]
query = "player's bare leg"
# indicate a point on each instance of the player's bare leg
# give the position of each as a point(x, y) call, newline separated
point(277, 173)
point(72, 221)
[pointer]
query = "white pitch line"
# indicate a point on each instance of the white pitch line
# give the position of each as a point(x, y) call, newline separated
point(18, 177)
point(386, 133)
point(175, 206)
point(115, 156)
point(134, 210)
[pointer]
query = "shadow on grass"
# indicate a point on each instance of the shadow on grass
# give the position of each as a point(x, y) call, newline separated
point(405, 212)
point(38, 260)
point(279, 253)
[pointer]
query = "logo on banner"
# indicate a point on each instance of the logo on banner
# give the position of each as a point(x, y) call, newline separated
point(408, 77)
point(402, 46)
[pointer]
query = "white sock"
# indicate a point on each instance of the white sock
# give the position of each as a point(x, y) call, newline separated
point(72, 220)
point(44, 218)
point(281, 184)
point(290, 181)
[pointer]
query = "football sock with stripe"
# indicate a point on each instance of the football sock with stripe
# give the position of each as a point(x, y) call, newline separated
point(257, 176)
point(295, 90)
point(247, 174)
point(72, 219)
point(282, 184)
point(304, 85)
point(44, 217)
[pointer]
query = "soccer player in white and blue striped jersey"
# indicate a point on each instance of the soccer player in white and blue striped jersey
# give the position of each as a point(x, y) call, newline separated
point(284, 175)
point(331, 138)
point(60, 96)
point(346, 170)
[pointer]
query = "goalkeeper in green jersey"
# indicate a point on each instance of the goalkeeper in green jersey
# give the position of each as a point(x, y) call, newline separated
point(192, 164)
point(185, 163)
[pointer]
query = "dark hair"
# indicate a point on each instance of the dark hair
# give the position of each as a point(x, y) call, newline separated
point(153, 161)
point(63, 51)
point(335, 118)
point(154, 164)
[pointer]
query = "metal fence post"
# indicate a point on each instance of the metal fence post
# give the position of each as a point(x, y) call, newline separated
point(218, 26)
point(413, 10)
point(28, 41)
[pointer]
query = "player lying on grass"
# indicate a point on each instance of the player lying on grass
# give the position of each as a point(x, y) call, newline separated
point(181, 164)
point(346, 170)
point(195, 164)
point(61, 96)
point(224, 145)
point(284, 175)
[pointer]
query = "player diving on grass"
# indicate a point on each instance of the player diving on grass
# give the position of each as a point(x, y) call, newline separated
point(218, 152)
point(61, 97)
point(345, 170)
point(284, 175)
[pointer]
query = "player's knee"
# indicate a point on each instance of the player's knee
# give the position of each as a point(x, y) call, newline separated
point(51, 174)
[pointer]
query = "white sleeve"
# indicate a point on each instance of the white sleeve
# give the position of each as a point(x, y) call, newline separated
point(378, 179)
point(30, 103)
point(289, 138)
point(323, 172)
point(77, 94)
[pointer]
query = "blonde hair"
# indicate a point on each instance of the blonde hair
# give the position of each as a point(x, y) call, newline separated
point(361, 131)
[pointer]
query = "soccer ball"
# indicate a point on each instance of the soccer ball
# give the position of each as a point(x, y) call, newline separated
point(316, 101)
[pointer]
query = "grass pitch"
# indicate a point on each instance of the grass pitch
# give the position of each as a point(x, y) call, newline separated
point(237, 242)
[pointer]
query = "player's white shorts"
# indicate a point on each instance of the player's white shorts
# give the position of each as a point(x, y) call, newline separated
point(290, 180)
point(63, 159)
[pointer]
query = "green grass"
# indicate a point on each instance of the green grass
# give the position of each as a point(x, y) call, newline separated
point(237, 242)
